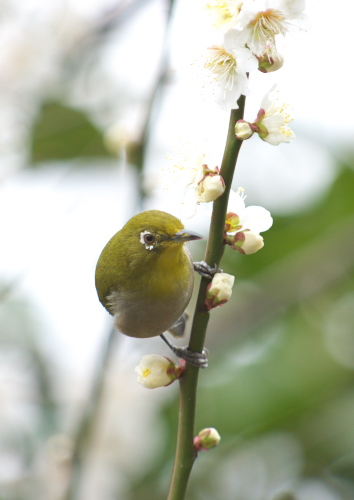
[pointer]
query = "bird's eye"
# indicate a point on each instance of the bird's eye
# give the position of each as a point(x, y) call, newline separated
point(149, 239)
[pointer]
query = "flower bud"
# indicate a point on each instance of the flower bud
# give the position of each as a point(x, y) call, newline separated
point(268, 64)
point(245, 242)
point(207, 438)
point(157, 371)
point(118, 137)
point(220, 290)
point(243, 130)
point(210, 188)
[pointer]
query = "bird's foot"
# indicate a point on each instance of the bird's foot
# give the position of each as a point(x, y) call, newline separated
point(200, 360)
point(193, 358)
point(205, 270)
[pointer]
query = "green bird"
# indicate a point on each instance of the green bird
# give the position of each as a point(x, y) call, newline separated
point(145, 277)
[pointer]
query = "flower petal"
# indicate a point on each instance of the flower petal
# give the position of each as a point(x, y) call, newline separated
point(236, 202)
point(256, 219)
point(155, 371)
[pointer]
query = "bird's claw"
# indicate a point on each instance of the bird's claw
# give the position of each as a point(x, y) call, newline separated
point(197, 359)
point(200, 360)
point(205, 270)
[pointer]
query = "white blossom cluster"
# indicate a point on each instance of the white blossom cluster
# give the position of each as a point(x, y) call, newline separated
point(251, 30)
point(244, 224)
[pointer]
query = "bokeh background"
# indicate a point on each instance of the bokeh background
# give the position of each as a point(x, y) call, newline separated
point(93, 96)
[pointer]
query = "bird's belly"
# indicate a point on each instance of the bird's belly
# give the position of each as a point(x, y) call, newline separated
point(147, 317)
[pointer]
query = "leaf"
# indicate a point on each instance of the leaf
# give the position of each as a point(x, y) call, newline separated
point(61, 133)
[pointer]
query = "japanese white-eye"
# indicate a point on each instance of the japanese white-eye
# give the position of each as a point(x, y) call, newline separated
point(144, 275)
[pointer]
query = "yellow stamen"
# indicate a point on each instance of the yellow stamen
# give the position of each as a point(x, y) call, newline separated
point(223, 65)
point(266, 25)
point(146, 372)
point(220, 10)
point(286, 131)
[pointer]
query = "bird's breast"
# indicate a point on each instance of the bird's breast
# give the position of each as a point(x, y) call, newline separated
point(164, 293)
point(170, 275)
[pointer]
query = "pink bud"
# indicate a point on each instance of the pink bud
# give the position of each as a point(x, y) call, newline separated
point(207, 438)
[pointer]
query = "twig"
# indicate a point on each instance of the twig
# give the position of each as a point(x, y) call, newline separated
point(185, 454)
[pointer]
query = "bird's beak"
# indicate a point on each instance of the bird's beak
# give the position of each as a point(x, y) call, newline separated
point(185, 235)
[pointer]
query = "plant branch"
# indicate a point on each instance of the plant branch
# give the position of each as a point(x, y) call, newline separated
point(185, 454)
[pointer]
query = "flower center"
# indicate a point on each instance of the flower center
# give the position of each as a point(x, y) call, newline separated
point(266, 25)
point(286, 131)
point(221, 12)
point(146, 372)
point(223, 65)
point(283, 110)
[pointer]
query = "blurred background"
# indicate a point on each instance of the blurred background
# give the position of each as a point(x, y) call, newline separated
point(93, 96)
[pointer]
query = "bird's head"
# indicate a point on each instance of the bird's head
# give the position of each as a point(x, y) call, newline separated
point(157, 231)
point(153, 232)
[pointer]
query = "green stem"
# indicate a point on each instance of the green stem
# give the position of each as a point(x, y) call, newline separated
point(185, 454)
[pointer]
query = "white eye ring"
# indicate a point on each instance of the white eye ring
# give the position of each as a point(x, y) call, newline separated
point(148, 240)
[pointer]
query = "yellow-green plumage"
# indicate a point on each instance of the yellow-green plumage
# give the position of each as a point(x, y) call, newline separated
point(146, 286)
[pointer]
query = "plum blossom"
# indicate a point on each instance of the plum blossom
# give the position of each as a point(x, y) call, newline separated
point(219, 290)
point(245, 242)
point(259, 22)
point(243, 224)
point(229, 67)
point(157, 371)
point(211, 187)
point(202, 183)
point(243, 130)
point(269, 62)
point(224, 12)
point(272, 121)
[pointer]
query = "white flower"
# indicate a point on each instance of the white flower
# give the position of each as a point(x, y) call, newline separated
point(273, 122)
point(219, 290)
point(253, 218)
point(210, 188)
point(243, 224)
point(156, 371)
point(202, 184)
point(118, 136)
point(260, 21)
point(224, 12)
point(229, 67)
